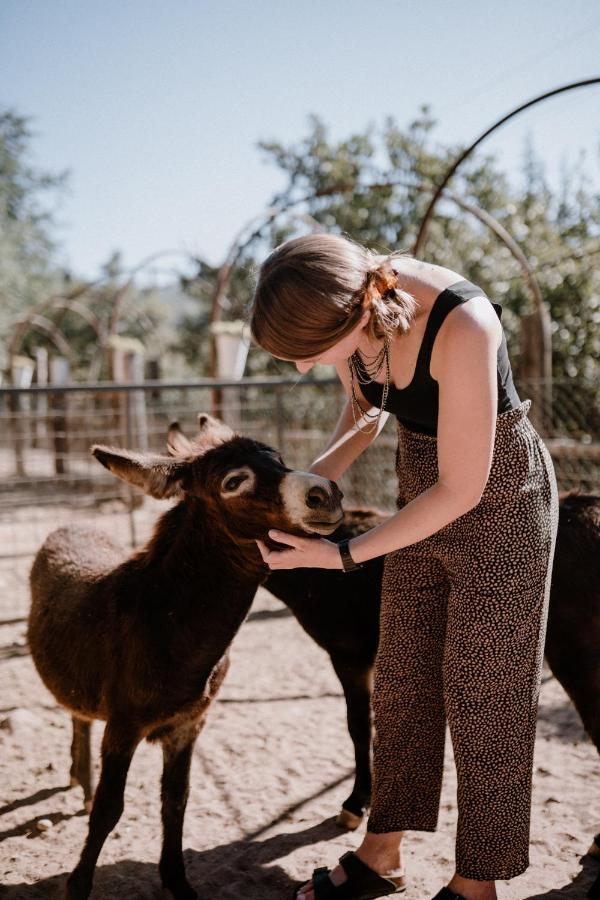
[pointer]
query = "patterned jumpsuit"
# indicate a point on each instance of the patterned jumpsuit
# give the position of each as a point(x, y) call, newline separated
point(463, 620)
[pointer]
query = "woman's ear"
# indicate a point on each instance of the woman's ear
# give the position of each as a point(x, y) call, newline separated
point(365, 318)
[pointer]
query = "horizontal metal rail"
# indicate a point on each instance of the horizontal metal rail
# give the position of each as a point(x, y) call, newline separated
point(103, 387)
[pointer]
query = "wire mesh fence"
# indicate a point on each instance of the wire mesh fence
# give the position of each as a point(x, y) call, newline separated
point(49, 478)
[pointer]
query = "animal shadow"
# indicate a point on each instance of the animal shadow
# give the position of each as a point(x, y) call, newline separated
point(578, 888)
point(240, 870)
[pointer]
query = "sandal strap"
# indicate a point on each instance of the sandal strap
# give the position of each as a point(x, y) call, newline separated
point(446, 894)
point(320, 872)
point(368, 879)
point(323, 886)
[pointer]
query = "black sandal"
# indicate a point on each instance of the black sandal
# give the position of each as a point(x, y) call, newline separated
point(362, 882)
point(447, 894)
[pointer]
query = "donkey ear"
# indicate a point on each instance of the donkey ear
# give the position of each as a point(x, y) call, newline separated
point(212, 429)
point(177, 443)
point(158, 476)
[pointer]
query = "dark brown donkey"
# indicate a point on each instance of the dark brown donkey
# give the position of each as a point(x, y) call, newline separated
point(341, 613)
point(142, 642)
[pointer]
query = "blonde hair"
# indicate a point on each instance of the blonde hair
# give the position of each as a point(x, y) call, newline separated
point(312, 291)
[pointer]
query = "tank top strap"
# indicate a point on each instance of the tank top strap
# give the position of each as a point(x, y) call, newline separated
point(445, 302)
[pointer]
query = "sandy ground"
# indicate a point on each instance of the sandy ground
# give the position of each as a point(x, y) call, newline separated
point(269, 772)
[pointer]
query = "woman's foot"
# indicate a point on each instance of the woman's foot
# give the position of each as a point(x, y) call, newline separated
point(380, 852)
point(471, 889)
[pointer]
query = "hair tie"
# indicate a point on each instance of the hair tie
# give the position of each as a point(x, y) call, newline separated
point(379, 281)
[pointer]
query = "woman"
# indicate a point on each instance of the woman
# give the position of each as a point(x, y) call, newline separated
point(468, 553)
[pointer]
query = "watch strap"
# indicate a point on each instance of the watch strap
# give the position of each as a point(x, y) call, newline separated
point(347, 562)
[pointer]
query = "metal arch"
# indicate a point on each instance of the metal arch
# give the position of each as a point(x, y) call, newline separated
point(35, 318)
point(121, 292)
point(508, 240)
point(70, 300)
point(41, 323)
point(236, 249)
point(420, 240)
point(23, 322)
point(84, 312)
point(238, 245)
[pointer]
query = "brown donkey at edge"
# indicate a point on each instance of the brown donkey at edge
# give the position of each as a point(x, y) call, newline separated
point(142, 642)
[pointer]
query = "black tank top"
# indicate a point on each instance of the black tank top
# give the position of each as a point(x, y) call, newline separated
point(416, 405)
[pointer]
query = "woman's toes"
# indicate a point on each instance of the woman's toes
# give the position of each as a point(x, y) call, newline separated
point(305, 894)
point(337, 876)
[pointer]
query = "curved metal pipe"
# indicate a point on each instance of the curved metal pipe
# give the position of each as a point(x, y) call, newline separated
point(438, 191)
point(41, 323)
point(238, 246)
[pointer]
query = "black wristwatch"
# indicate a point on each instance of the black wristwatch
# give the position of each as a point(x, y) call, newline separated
point(347, 562)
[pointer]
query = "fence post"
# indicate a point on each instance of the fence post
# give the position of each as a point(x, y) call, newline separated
point(59, 376)
point(536, 366)
point(154, 374)
point(129, 489)
point(40, 401)
point(232, 345)
point(137, 434)
point(21, 374)
point(116, 368)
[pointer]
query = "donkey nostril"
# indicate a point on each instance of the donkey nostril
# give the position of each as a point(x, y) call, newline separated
point(317, 497)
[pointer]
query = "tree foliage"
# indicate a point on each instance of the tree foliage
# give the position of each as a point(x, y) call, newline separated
point(28, 195)
point(349, 183)
point(373, 186)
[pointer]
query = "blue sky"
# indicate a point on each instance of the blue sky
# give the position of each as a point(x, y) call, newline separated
point(156, 107)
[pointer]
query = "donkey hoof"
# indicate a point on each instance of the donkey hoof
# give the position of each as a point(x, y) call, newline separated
point(79, 885)
point(348, 820)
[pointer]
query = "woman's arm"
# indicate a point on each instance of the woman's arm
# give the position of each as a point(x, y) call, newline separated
point(347, 442)
point(466, 432)
point(468, 404)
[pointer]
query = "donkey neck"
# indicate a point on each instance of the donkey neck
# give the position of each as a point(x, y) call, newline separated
point(191, 545)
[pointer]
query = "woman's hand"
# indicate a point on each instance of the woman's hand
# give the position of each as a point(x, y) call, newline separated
point(308, 553)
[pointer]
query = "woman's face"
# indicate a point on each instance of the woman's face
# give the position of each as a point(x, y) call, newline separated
point(339, 353)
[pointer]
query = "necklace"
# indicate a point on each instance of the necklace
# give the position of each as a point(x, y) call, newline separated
point(357, 366)
point(371, 365)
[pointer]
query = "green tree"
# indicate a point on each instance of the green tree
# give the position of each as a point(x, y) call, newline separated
point(28, 196)
point(559, 231)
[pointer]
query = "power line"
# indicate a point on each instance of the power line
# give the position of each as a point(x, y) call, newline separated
point(532, 60)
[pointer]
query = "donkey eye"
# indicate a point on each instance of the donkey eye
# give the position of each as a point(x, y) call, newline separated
point(233, 483)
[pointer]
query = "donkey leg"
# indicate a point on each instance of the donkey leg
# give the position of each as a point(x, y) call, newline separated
point(118, 746)
point(177, 756)
point(81, 760)
point(356, 681)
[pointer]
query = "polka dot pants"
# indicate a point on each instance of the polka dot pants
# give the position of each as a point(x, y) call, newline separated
point(463, 621)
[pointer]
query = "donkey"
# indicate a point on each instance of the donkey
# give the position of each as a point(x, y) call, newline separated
point(341, 613)
point(142, 643)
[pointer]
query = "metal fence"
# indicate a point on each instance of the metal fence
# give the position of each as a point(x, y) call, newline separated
point(48, 477)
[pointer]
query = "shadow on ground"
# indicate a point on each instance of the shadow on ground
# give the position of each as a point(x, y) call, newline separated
point(240, 870)
point(579, 887)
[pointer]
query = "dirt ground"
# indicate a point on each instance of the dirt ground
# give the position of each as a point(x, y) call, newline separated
point(269, 772)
